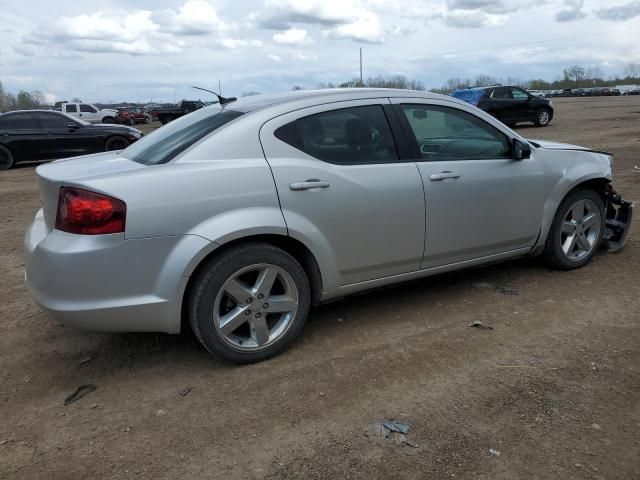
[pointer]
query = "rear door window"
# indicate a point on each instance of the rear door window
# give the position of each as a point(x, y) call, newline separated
point(20, 121)
point(86, 108)
point(444, 133)
point(347, 136)
point(71, 108)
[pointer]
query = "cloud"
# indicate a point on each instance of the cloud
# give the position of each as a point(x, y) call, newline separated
point(195, 17)
point(304, 56)
point(317, 12)
point(139, 32)
point(275, 58)
point(366, 28)
point(340, 19)
point(572, 12)
point(473, 19)
point(496, 7)
point(292, 36)
point(236, 43)
point(620, 13)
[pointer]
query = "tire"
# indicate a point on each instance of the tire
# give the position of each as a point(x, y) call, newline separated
point(116, 143)
point(147, 119)
point(558, 251)
point(261, 333)
point(543, 117)
point(108, 120)
point(6, 159)
point(164, 121)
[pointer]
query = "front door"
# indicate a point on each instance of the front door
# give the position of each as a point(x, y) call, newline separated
point(479, 201)
point(344, 191)
point(64, 137)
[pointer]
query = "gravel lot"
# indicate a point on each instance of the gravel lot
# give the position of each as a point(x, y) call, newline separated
point(554, 387)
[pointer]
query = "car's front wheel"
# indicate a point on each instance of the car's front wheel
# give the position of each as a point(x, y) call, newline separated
point(543, 117)
point(250, 303)
point(577, 230)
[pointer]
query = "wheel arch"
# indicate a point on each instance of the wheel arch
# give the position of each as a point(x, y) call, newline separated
point(597, 183)
point(294, 247)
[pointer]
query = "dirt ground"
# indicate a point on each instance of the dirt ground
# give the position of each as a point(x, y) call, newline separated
point(554, 387)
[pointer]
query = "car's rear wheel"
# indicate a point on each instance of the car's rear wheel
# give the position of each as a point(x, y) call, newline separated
point(250, 303)
point(577, 230)
point(543, 117)
point(116, 143)
point(6, 158)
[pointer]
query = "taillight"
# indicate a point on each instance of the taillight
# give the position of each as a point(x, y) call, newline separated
point(89, 213)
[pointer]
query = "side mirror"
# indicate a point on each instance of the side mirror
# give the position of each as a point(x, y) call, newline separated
point(520, 150)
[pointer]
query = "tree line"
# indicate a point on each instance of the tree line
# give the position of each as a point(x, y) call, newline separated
point(574, 76)
point(22, 101)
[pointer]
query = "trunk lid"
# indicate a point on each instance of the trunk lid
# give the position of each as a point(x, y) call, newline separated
point(74, 171)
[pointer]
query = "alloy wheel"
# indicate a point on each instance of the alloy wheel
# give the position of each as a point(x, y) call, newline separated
point(255, 307)
point(580, 229)
point(543, 117)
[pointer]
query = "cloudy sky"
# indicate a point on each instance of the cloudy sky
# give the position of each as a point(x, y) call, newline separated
point(138, 50)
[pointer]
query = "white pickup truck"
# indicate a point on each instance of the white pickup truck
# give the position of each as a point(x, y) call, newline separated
point(89, 113)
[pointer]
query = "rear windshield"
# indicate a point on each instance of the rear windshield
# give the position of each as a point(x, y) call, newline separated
point(166, 143)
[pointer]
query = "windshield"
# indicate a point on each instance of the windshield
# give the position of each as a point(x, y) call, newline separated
point(167, 142)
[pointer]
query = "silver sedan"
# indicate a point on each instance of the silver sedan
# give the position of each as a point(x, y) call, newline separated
point(237, 218)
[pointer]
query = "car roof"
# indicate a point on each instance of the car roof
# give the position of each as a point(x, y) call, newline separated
point(35, 110)
point(255, 102)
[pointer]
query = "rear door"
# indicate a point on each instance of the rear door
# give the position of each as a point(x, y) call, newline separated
point(344, 191)
point(499, 103)
point(22, 134)
point(479, 201)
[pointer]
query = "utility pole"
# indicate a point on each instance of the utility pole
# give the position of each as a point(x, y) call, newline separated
point(219, 88)
point(361, 82)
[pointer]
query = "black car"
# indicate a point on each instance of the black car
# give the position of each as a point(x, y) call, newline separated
point(510, 105)
point(47, 135)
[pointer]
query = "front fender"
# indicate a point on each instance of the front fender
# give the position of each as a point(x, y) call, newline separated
point(570, 176)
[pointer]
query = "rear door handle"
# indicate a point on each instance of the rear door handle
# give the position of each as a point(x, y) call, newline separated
point(435, 177)
point(309, 184)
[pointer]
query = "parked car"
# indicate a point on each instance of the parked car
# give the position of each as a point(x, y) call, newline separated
point(89, 113)
point(47, 135)
point(511, 105)
point(165, 115)
point(241, 216)
point(615, 92)
point(132, 115)
point(633, 92)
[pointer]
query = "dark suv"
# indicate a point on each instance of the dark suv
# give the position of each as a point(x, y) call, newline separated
point(510, 105)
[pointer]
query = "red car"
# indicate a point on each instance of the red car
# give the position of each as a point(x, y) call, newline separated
point(133, 115)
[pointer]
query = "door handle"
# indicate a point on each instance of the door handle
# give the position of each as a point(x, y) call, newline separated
point(309, 184)
point(434, 177)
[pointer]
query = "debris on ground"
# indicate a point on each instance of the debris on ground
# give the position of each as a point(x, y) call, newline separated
point(81, 391)
point(503, 289)
point(494, 452)
point(85, 360)
point(2, 442)
point(185, 391)
point(482, 285)
point(595, 426)
point(340, 319)
point(391, 430)
point(479, 324)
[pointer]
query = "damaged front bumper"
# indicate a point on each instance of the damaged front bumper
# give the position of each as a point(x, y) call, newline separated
point(619, 215)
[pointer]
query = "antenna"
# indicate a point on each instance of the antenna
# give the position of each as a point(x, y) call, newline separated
point(222, 100)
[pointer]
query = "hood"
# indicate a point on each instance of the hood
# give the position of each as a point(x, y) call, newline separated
point(548, 145)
